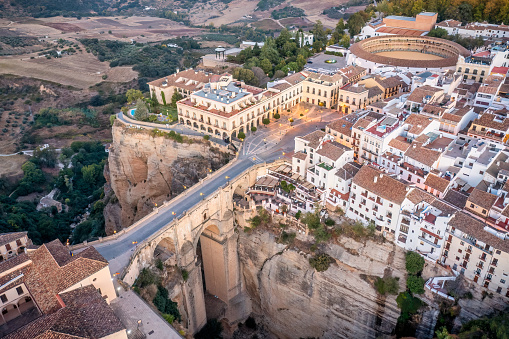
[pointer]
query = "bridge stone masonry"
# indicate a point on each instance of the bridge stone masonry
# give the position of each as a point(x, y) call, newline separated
point(211, 223)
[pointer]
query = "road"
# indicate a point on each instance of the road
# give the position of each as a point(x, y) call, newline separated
point(266, 144)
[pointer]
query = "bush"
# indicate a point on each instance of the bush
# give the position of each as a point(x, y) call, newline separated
point(263, 217)
point(253, 129)
point(277, 116)
point(164, 304)
point(159, 264)
point(408, 303)
point(241, 135)
point(298, 214)
point(320, 262)
point(169, 318)
point(206, 137)
point(387, 285)
point(146, 278)
point(287, 238)
point(414, 262)
point(330, 222)
point(266, 121)
point(415, 284)
point(185, 274)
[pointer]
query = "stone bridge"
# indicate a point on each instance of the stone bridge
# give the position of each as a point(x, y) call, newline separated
point(209, 226)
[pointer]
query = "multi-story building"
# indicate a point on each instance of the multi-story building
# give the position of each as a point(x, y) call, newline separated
point(400, 25)
point(474, 29)
point(375, 139)
point(46, 288)
point(12, 244)
point(477, 251)
point(491, 127)
point(488, 91)
point(352, 74)
point(421, 96)
point(376, 197)
point(474, 68)
point(184, 82)
point(389, 86)
point(321, 89)
point(225, 107)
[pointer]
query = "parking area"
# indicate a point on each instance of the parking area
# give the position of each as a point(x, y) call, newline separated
point(325, 63)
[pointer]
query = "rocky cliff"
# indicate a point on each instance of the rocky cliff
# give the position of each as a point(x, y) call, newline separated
point(144, 170)
point(295, 301)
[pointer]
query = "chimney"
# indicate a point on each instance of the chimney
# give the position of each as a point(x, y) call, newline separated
point(178, 69)
point(414, 146)
point(375, 179)
point(381, 175)
point(407, 188)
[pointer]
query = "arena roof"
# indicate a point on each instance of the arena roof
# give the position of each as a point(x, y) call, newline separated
point(358, 50)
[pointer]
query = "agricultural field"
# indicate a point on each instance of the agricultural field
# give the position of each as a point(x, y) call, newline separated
point(80, 70)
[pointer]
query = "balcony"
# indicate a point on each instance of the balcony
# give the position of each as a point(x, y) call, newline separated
point(429, 242)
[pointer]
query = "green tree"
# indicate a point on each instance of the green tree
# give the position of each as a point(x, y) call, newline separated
point(46, 157)
point(153, 100)
point(414, 262)
point(141, 112)
point(241, 135)
point(312, 220)
point(163, 97)
point(133, 95)
point(90, 173)
point(415, 284)
point(442, 333)
point(175, 97)
point(321, 262)
point(253, 129)
point(112, 119)
point(245, 75)
point(266, 65)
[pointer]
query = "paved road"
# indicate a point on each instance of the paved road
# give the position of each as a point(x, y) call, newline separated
point(257, 151)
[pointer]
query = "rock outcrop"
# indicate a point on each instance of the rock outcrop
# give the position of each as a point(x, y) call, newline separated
point(295, 301)
point(144, 170)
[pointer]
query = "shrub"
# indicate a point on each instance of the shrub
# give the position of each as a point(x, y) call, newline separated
point(169, 318)
point(414, 262)
point(408, 303)
point(287, 238)
point(185, 274)
point(159, 264)
point(320, 262)
point(241, 135)
point(263, 217)
point(253, 129)
point(330, 222)
point(298, 214)
point(415, 284)
point(146, 278)
point(266, 121)
point(164, 304)
point(387, 285)
point(206, 137)
point(312, 220)
point(321, 234)
point(277, 116)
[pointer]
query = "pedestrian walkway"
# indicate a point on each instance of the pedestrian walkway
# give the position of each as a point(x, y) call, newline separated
point(135, 314)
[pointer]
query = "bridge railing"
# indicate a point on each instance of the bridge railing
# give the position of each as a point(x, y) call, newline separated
point(175, 220)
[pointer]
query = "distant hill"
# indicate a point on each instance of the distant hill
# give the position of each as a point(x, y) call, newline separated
point(49, 8)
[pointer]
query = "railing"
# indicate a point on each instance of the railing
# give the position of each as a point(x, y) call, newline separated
point(429, 242)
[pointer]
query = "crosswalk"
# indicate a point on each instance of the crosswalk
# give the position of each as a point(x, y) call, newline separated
point(256, 159)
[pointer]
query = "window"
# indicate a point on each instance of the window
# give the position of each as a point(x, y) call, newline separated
point(18, 242)
point(19, 289)
point(471, 205)
point(8, 247)
point(502, 281)
point(483, 211)
point(3, 298)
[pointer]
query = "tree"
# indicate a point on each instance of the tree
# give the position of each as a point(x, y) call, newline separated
point(345, 41)
point(280, 74)
point(321, 262)
point(91, 173)
point(415, 284)
point(124, 109)
point(241, 135)
point(277, 116)
point(438, 32)
point(46, 157)
point(312, 220)
point(141, 112)
point(414, 262)
point(266, 121)
point(112, 119)
point(163, 97)
point(153, 100)
point(442, 333)
point(133, 95)
point(245, 75)
point(253, 129)
point(260, 75)
point(175, 97)
point(266, 65)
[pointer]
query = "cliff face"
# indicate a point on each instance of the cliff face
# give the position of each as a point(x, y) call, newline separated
point(143, 171)
point(295, 301)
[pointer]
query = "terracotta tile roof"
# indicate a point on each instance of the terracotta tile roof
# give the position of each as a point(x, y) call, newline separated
point(6, 238)
point(437, 183)
point(348, 171)
point(445, 208)
point(416, 195)
point(420, 93)
point(314, 138)
point(362, 123)
point(488, 120)
point(423, 155)
point(355, 89)
point(475, 228)
point(389, 82)
point(181, 78)
point(374, 91)
point(332, 150)
point(342, 126)
point(85, 315)
point(482, 199)
point(49, 275)
point(300, 155)
point(456, 198)
point(400, 143)
point(418, 123)
point(433, 109)
point(385, 186)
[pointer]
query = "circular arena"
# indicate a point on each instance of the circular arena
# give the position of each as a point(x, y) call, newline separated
point(414, 54)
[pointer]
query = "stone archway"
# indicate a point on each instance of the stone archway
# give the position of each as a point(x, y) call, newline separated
point(165, 251)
